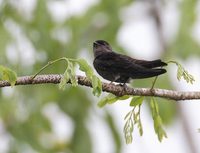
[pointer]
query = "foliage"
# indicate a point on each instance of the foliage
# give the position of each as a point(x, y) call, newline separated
point(8, 75)
point(133, 118)
point(96, 83)
point(182, 73)
point(110, 99)
point(157, 120)
point(69, 74)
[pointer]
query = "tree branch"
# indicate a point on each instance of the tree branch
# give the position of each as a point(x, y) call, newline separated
point(110, 88)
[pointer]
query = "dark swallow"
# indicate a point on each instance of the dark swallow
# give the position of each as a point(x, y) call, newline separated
point(121, 68)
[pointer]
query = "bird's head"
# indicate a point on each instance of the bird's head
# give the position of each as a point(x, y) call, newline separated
point(101, 46)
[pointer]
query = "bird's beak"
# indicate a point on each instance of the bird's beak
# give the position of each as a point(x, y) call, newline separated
point(95, 44)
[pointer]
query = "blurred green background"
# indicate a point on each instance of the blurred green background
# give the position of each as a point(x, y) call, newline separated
point(34, 32)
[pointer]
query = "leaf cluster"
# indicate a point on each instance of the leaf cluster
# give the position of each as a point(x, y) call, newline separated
point(8, 75)
point(110, 99)
point(70, 76)
point(183, 73)
point(157, 120)
point(83, 66)
point(132, 118)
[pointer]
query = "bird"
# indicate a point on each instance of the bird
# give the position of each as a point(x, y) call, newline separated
point(121, 68)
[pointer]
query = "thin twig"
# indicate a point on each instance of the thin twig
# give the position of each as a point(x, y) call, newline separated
point(154, 81)
point(48, 64)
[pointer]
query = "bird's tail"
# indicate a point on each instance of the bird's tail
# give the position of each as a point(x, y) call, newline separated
point(158, 71)
point(153, 64)
point(147, 73)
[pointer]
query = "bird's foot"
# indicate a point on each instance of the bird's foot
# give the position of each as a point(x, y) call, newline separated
point(111, 83)
point(124, 87)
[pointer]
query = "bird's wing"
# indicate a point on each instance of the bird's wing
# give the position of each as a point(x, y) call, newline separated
point(125, 65)
point(149, 64)
point(117, 62)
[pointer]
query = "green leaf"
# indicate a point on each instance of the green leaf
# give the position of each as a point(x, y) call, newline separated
point(8, 75)
point(127, 115)
point(129, 127)
point(188, 77)
point(85, 67)
point(157, 120)
point(109, 99)
point(71, 72)
point(137, 100)
point(140, 128)
point(181, 72)
point(64, 80)
point(96, 82)
point(97, 86)
point(153, 109)
point(124, 97)
point(132, 118)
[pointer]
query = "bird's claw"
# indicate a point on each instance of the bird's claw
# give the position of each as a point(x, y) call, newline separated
point(124, 87)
